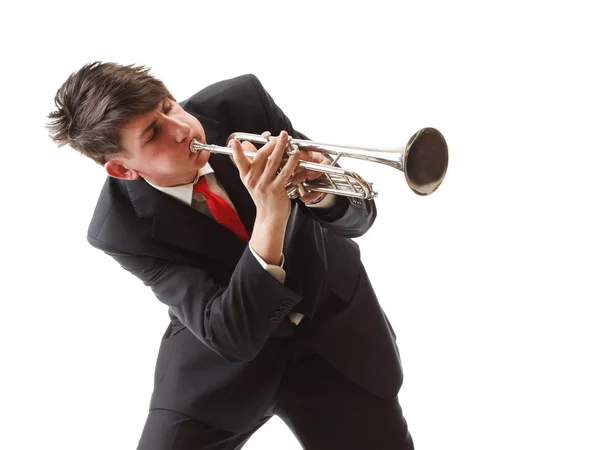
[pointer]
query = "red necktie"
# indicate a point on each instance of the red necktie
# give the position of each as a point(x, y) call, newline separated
point(221, 210)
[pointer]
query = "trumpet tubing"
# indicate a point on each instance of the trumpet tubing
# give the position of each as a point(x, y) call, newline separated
point(424, 161)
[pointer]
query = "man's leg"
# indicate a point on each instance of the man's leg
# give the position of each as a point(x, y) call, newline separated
point(327, 411)
point(168, 430)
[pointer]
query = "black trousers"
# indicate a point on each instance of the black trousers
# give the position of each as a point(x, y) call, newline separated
point(323, 408)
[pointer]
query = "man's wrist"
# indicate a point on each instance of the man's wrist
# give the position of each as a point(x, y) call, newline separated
point(275, 270)
point(267, 240)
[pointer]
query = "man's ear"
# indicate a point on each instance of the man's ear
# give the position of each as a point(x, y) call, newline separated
point(117, 169)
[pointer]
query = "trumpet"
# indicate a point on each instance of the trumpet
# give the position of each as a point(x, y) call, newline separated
point(424, 161)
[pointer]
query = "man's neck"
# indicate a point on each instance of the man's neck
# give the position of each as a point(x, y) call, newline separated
point(172, 181)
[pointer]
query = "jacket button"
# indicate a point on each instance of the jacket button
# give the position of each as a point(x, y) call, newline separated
point(280, 314)
point(288, 302)
point(275, 320)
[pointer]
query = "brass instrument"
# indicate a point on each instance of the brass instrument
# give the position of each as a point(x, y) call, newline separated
point(424, 161)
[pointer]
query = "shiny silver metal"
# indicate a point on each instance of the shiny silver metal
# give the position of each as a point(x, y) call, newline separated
point(424, 162)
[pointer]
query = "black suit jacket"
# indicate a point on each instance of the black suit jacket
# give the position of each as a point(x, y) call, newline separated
point(228, 340)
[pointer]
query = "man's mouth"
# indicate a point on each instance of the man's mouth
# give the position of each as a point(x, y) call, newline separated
point(194, 145)
point(191, 148)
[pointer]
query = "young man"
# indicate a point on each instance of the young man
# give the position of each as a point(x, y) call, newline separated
point(271, 310)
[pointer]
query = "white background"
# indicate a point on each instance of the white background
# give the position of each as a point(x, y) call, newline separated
point(491, 283)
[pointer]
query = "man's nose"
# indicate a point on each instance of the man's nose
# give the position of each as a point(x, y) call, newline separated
point(180, 130)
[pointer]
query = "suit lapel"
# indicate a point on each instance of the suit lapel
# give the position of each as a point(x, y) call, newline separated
point(180, 225)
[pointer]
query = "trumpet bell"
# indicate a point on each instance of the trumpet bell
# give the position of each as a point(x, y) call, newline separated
point(425, 161)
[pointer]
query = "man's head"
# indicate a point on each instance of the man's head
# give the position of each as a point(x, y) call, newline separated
point(127, 121)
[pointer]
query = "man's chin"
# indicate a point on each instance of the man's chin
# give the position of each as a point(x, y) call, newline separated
point(201, 157)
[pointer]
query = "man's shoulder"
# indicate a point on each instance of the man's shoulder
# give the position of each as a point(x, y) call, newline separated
point(234, 89)
point(245, 81)
point(115, 212)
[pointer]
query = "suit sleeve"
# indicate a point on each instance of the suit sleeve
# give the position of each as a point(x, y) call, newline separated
point(233, 320)
point(349, 217)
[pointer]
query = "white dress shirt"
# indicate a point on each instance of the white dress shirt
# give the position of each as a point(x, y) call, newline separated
point(185, 193)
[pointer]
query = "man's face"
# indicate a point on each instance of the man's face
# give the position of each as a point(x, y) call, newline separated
point(157, 147)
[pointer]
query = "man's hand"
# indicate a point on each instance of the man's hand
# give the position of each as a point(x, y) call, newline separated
point(267, 189)
point(259, 175)
point(301, 174)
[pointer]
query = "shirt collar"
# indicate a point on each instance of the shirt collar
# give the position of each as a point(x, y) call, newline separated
point(184, 192)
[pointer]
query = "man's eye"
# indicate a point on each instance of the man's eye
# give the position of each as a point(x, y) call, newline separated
point(166, 109)
point(153, 135)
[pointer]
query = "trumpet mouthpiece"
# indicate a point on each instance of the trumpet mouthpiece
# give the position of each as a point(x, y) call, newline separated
point(195, 145)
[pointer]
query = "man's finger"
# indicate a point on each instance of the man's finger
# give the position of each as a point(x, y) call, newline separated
point(275, 157)
point(262, 154)
point(298, 178)
point(287, 170)
point(312, 174)
point(240, 160)
point(310, 156)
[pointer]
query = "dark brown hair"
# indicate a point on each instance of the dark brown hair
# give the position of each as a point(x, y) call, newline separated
point(96, 101)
